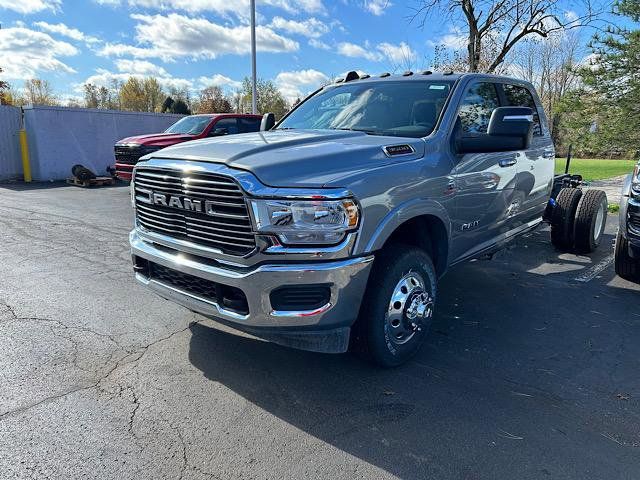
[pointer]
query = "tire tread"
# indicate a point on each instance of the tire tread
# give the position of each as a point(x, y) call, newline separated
point(562, 218)
point(584, 218)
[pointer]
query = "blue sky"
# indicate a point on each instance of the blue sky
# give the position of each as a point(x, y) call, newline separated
point(195, 43)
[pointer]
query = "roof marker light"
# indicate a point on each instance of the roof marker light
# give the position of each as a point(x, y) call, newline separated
point(352, 75)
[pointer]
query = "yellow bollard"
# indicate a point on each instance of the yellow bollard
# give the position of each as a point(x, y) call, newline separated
point(24, 147)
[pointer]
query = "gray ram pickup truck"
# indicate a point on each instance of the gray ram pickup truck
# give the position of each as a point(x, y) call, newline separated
point(330, 229)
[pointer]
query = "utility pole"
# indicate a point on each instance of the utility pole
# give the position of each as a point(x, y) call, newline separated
point(254, 88)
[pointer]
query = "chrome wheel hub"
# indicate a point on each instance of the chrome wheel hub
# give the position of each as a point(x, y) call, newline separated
point(600, 218)
point(410, 308)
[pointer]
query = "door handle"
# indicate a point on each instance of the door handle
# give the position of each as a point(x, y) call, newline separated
point(508, 162)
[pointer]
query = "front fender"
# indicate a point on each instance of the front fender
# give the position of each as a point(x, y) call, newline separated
point(624, 202)
point(626, 186)
point(401, 214)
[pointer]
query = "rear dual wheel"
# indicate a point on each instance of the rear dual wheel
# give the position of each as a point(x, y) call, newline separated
point(578, 219)
point(590, 221)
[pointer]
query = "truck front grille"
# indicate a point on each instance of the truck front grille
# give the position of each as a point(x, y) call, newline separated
point(223, 224)
point(128, 155)
point(634, 221)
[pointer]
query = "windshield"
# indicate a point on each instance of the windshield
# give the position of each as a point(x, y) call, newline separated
point(190, 125)
point(402, 109)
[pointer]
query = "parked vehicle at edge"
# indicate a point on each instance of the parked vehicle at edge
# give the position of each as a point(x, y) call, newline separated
point(129, 150)
point(332, 228)
point(627, 245)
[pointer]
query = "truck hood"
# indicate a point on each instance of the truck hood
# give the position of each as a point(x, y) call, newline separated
point(157, 139)
point(296, 158)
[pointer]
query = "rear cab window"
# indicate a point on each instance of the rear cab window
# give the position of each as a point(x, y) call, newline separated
point(519, 96)
point(247, 124)
point(230, 124)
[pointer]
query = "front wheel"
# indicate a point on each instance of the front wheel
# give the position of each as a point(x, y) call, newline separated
point(398, 306)
point(626, 266)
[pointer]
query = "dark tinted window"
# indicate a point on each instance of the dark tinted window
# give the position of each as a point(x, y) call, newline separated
point(476, 107)
point(518, 96)
point(230, 124)
point(249, 124)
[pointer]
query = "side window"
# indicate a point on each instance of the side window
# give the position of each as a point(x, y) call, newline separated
point(229, 124)
point(476, 107)
point(249, 124)
point(518, 96)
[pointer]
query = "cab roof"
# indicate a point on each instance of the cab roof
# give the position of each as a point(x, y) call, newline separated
point(354, 77)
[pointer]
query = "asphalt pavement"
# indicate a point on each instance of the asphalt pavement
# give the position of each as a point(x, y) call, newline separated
point(530, 370)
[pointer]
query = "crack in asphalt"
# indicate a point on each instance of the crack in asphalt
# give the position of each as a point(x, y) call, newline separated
point(131, 356)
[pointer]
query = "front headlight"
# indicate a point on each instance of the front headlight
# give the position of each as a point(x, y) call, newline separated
point(322, 222)
point(635, 182)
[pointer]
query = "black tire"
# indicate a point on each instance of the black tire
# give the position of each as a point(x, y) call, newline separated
point(563, 216)
point(590, 220)
point(626, 266)
point(375, 335)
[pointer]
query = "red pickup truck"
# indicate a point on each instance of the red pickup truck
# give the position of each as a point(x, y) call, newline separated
point(130, 149)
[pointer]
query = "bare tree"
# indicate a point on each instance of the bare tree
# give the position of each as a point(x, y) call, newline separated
point(400, 58)
point(505, 23)
point(550, 65)
point(4, 91)
point(213, 100)
point(39, 92)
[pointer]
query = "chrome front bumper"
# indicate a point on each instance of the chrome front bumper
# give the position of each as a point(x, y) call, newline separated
point(347, 277)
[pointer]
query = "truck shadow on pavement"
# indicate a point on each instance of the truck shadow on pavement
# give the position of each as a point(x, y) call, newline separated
point(524, 375)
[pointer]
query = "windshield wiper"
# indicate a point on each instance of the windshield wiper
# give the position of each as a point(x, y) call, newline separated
point(363, 130)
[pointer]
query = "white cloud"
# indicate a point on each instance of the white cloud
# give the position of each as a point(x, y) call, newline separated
point(399, 54)
point(31, 6)
point(456, 39)
point(177, 36)
point(315, 43)
point(141, 67)
point(377, 7)
point(237, 7)
point(356, 51)
point(65, 31)
point(297, 6)
point(299, 84)
point(219, 80)
point(25, 53)
point(312, 27)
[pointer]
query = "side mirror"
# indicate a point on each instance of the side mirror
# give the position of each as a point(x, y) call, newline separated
point(510, 128)
point(218, 132)
point(268, 121)
point(514, 122)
